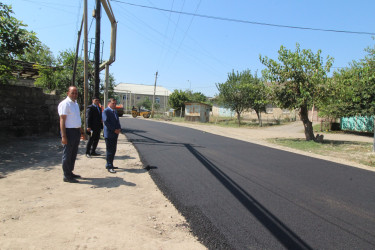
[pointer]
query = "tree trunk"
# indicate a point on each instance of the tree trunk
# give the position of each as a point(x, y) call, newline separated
point(259, 118)
point(239, 118)
point(309, 132)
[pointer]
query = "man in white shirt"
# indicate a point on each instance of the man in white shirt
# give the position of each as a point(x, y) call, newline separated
point(70, 129)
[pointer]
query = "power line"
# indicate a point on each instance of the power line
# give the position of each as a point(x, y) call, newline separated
point(247, 22)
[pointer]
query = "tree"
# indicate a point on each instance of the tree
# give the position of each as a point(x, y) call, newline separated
point(60, 77)
point(299, 80)
point(14, 41)
point(39, 54)
point(146, 103)
point(177, 99)
point(351, 91)
point(235, 93)
point(258, 93)
point(196, 97)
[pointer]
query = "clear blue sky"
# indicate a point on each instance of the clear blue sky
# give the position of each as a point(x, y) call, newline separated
point(195, 52)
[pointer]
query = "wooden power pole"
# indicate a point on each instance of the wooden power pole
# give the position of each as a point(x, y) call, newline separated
point(86, 73)
point(97, 49)
point(153, 98)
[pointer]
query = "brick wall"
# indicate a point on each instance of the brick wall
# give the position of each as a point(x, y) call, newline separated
point(27, 111)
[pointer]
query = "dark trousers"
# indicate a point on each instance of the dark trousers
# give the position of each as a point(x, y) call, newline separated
point(111, 145)
point(92, 143)
point(70, 150)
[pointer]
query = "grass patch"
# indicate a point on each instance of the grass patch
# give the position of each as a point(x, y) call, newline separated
point(359, 152)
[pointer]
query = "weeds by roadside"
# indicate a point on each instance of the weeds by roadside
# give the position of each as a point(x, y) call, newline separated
point(359, 152)
point(225, 122)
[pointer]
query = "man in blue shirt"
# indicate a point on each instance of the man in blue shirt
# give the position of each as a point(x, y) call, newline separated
point(112, 129)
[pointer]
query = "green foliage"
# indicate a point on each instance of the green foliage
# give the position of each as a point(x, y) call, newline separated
point(60, 77)
point(351, 91)
point(196, 97)
point(234, 93)
point(40, 54)
point(299, 80)
point(14, 41)
point(259, 93)
point(243, 91)
point(146, 103)
point(178, 98)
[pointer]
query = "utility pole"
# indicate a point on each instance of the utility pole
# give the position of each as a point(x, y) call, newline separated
point(77, 49)
point(86, 73)
point(97, 49)
point(153, 98)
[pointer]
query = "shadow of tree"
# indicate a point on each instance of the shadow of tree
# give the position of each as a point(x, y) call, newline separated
point(32, 153)
point(29, 152)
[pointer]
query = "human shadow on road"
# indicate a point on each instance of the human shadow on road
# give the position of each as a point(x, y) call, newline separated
point(107, 182)
point(276, 227)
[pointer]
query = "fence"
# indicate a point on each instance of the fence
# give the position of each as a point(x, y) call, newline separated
point(358, 123)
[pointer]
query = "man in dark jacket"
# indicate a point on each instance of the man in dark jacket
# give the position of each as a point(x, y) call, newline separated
point(112, 129)
point(94, 126)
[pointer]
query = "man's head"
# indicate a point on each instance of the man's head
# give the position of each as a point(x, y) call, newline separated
point(112, 103)
point(96, 101)
point(73, 93)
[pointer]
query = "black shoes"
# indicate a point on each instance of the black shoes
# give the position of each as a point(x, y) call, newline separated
point(76, 176)
point(70, 180)
point(111, 170)
point(88, 155)
point(115, 167)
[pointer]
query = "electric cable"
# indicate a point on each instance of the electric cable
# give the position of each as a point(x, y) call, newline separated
point(248, 22)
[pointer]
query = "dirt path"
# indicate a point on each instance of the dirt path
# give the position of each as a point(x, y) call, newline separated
point(104, 211)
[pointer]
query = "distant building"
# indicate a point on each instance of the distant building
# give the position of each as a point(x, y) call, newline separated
point(133, 94)
point(25, 74)
point(196, 111)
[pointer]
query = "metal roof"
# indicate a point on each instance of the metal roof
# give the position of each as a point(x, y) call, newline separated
point(141, 89)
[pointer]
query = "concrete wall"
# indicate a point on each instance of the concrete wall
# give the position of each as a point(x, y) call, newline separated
point(273, 113)
point(27, 111)
point(130, 100)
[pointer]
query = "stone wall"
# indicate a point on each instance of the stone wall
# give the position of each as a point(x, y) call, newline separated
point(26, 111)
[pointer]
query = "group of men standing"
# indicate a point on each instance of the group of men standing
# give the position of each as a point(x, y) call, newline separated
point(71, 130)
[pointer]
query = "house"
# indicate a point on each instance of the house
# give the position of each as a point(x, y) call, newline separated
point(133, 94)
point(25, 74)
point(272, 113)
point(196, 111)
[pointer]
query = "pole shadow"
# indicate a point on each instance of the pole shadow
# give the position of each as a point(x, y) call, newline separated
point(276, 227)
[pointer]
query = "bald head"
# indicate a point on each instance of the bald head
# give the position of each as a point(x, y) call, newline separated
point(73, 93)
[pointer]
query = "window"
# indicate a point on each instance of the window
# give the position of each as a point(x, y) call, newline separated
point(157, 99)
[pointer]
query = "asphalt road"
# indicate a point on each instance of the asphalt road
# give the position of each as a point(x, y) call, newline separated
point(239, 195)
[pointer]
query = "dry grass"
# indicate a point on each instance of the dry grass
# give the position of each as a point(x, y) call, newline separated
point(359, 152)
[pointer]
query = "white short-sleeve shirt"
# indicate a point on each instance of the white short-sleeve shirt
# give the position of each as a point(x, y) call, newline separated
point(71, 110)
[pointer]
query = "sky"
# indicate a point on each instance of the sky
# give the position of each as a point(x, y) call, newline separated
point(194, 52)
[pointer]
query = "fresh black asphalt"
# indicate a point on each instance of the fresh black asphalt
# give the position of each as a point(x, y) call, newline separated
point(239, 195)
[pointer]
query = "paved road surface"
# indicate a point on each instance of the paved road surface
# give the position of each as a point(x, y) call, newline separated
point(239, 195)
